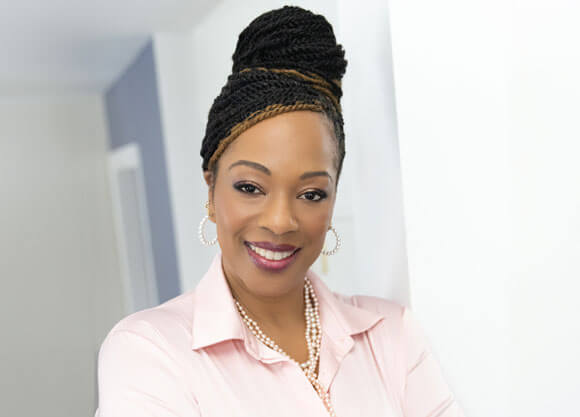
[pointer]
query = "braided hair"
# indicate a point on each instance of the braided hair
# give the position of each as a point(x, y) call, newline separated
point(285, 60)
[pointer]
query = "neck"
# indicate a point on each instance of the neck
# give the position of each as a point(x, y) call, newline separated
point(283, 311)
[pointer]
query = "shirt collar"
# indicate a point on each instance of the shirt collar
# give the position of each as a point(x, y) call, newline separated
point(216, 318)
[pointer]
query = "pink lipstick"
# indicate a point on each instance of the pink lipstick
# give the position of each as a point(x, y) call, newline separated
point(271, 264)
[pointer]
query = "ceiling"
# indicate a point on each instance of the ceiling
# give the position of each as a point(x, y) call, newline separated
point(80, 45)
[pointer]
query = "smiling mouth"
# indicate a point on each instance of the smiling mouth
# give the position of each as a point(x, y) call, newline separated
point(271, 255)
point(272, 260)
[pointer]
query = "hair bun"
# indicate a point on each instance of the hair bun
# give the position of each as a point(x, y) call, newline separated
point(290, 38)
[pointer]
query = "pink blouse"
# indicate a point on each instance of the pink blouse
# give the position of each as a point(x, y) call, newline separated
point(193, 356)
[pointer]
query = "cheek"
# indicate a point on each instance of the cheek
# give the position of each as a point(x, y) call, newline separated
point(228, 217)
point(230, 222)
point(231, 217)
point(315, 225)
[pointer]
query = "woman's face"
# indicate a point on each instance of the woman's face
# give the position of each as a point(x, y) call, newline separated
point(275, 185)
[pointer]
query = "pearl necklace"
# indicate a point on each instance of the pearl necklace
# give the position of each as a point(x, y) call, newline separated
point(313, 338)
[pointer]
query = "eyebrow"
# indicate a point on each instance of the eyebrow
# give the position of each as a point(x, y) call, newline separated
point(266, 171)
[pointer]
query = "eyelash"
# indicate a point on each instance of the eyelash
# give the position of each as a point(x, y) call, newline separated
point(240, 186)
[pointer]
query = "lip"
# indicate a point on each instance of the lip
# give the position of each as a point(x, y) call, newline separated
point(273, 247)
point(268, 264)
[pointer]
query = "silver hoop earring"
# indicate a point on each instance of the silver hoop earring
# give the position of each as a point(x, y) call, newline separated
point(200, 231)
point(336, 246)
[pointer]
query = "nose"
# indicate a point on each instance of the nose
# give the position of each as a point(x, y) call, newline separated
point(278, 215)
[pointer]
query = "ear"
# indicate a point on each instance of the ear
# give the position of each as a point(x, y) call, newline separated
point(208, 177)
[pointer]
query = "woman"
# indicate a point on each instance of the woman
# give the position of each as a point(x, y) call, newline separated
point(261, 334)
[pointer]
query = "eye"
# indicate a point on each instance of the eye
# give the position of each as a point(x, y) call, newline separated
point(314, 195)
point(246, 188)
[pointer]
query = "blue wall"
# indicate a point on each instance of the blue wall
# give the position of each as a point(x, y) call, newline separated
point(132, 106)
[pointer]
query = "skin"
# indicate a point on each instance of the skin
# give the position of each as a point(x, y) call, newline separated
point(280, 208)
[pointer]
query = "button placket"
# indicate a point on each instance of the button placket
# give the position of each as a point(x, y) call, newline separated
point(310, 391)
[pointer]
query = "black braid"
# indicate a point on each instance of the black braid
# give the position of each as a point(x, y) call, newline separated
point(286, 59)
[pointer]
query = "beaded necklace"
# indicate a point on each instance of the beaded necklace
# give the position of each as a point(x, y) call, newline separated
point(313, 338)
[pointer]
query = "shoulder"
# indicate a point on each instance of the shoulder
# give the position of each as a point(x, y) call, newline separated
point(143, 363)
point(167, 324)
point(401, 328)
point(399, 324)
point(389, 308)
point(392, 311)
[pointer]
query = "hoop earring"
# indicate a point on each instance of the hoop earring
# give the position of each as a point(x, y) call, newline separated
point(336, 246)
point(200, 231)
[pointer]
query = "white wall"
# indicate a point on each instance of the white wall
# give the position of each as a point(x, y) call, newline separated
point(371, 205)
point(368, 214)
point(451, 109)
point(59, 286)
point(487, 100)
point(174, 63)
point(544, 104)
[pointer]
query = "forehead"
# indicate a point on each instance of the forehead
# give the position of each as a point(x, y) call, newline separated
point(293, 141)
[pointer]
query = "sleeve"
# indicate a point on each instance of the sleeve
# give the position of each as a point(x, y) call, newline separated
point(138, 377)
point(426, 394)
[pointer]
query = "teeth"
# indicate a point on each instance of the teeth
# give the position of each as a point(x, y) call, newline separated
point(271, 255)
